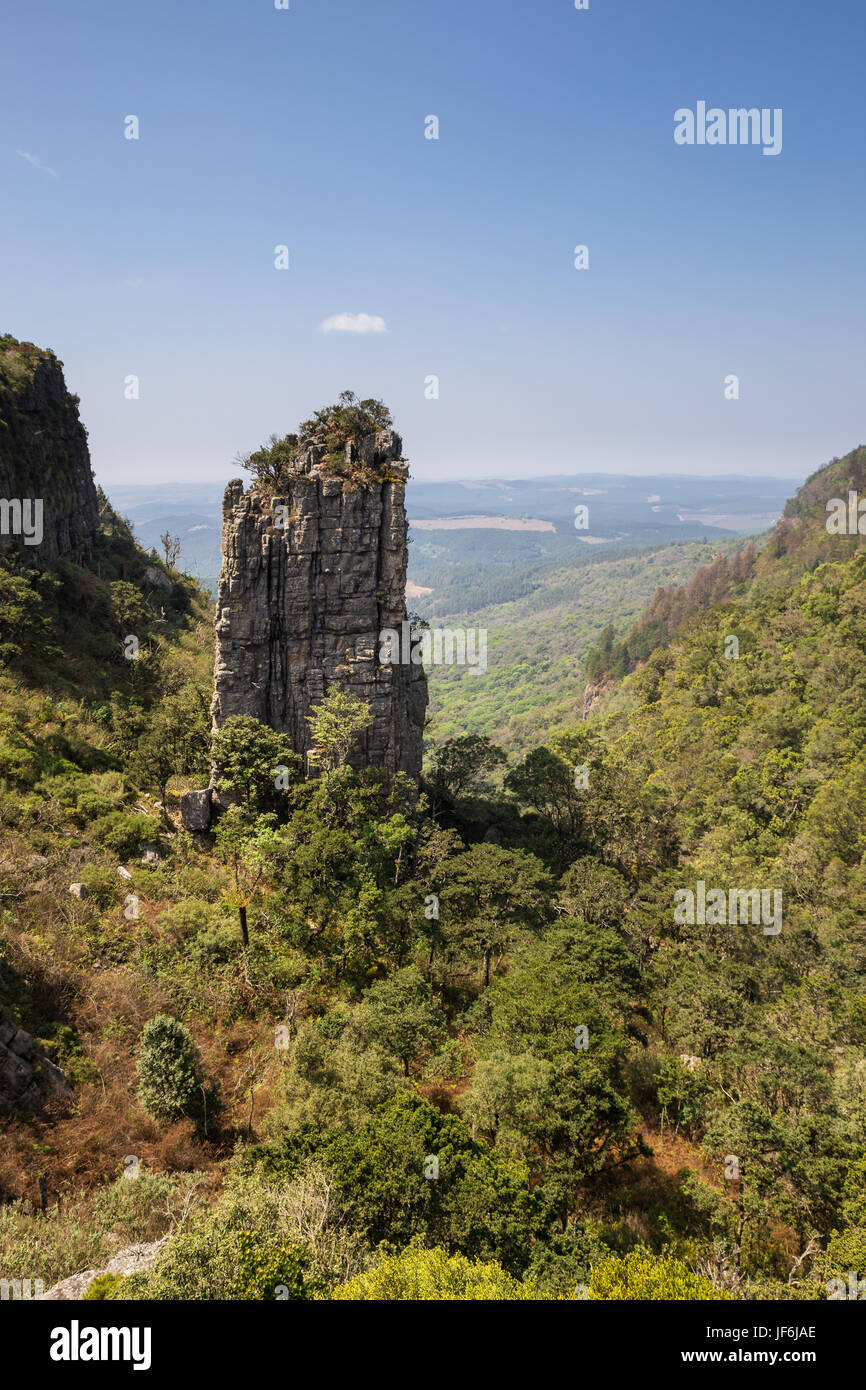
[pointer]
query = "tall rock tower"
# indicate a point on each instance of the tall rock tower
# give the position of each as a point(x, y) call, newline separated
point(313, 570)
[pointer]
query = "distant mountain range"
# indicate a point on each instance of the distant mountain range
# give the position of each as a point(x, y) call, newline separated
point(623, 512)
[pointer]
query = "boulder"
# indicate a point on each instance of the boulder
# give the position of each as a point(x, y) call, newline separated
point(157, 578)
point(195, 809)
point(135, 1259)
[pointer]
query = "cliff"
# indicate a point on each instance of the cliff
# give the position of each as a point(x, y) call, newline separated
point(313, 570)
point(48, 505)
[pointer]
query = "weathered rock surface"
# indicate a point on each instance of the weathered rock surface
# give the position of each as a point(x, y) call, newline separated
point(135, 1259)
point(44, 455)
point(310, 579)
point(27, 1079)
point(195, 810)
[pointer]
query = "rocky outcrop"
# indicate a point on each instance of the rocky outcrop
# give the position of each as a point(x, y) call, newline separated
point(135, 1259)
point(195, 809)
point(311, 577)
point(27, 1079)
point(44, 460)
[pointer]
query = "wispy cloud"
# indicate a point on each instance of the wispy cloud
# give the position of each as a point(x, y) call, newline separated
point(37, 163)
point(354, 323)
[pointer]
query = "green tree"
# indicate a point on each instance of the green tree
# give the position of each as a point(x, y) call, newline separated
point(335, 724)
point(247, 755)
point(130, 611)
point(241, 842)
point(171, 1083)
point(460, 765)
point(400, 1016)
point(174, 743)
point(550, 1084)
point(470, 1201)
point(171, 547)
point(490, 896)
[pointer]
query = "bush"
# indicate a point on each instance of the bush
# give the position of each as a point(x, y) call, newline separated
point(433, 1275)
point(97, 796)
point(85, 1234)
point(171, 1082)
point(102, 1287)
point(245, 1249)
point(640, 1275)
point(103, 886)
point(124, 834)
point(332, 427)
point(187, 919)
point(240, 1266)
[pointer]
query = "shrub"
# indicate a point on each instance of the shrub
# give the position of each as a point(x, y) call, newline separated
point(124, 834)
point(219, 1264)
point(18, 763)
point(245, 1248)
point(186, 919)
point(103, 886)
point(86, 1233)
point(641, 1275)
point(171, 1082)
point(98, 795)
point(102, 1287)
point(433, 1275)
point(332, 427)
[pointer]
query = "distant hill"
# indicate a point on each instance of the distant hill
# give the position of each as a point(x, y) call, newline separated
point(624, 512)
point(541, 621)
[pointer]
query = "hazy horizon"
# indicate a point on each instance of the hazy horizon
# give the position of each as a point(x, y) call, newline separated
point(224, 218)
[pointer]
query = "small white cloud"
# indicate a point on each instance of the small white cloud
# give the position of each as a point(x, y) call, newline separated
point(36, 162)
point(354, 323)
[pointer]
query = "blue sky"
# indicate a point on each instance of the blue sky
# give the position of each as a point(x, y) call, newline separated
point(305, 127)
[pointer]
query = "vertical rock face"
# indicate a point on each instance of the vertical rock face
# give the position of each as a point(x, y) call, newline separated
point(310, 578)
point(43, 458)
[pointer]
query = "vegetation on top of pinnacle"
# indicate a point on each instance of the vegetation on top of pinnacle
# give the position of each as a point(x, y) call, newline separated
point(19, 364)
point(347, 422)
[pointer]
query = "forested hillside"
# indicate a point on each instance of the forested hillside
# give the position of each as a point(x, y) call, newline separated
point(540, 627)
point(372, 1040)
